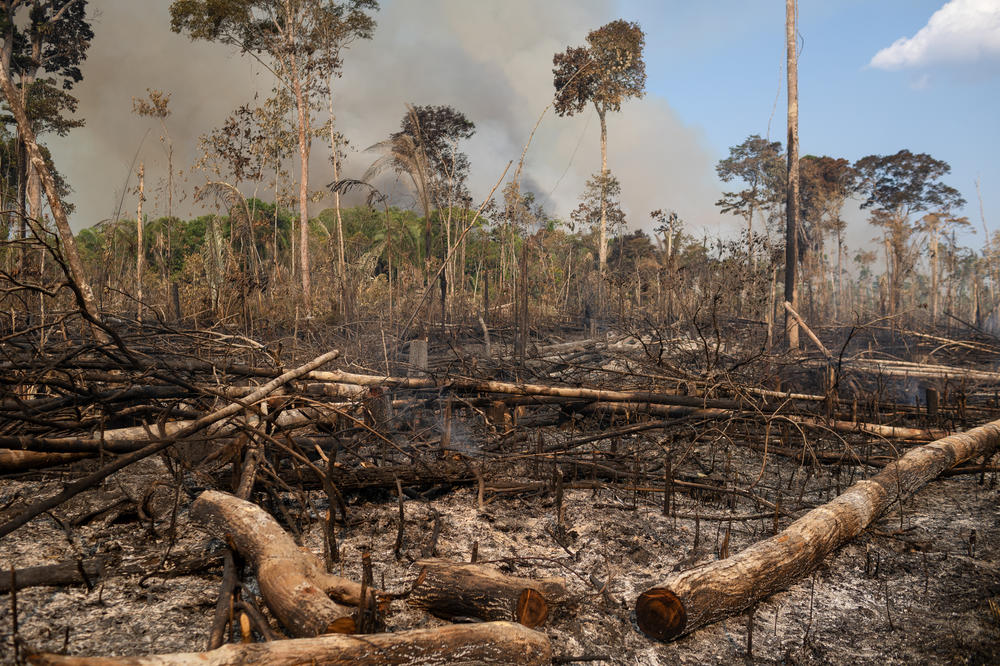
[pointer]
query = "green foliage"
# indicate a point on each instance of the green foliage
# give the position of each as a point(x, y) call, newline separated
point(279, 29)
point(588, 213)
point(760, 165)
point(825, 184)
point(905, 183)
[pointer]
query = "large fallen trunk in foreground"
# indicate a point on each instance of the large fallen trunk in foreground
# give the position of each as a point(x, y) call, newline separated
point(485, 643)
point(292, 580)
point(697, 597)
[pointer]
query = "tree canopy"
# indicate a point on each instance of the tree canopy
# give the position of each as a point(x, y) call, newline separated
point(606, 72)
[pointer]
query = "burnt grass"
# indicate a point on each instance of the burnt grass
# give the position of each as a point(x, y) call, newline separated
point(919, 586)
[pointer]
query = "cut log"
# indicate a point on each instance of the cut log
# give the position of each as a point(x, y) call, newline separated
point(292, 580)
point(703, 595)
point(453, 590)
point(485, 643)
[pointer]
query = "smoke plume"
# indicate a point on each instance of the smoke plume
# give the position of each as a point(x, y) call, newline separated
point(492, 61)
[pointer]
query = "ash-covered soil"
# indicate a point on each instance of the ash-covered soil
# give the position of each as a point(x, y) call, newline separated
point(915, 588)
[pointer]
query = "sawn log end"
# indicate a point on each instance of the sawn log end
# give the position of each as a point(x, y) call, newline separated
point(660, 614)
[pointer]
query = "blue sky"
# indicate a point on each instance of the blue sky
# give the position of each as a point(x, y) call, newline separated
point(721, 70)
point(714, 72)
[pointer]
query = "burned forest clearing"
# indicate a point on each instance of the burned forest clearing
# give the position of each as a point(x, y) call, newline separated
point(585, 495)
point(375, 362)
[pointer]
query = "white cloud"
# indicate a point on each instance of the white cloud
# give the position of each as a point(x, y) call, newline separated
point(961, 32)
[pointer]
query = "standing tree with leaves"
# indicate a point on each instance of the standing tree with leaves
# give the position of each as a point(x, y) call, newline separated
point(759, 164)
point(937, 225)
point(42, 49)
point(605, 73)
point(826, 184)
point(302, 41)
point(897, 187)
point(157, 106)
point(425, 150)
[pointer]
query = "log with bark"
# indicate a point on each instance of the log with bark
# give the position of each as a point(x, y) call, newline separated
point(691, 599)
point(453, 590)
point(485, 643)
point(302, 595)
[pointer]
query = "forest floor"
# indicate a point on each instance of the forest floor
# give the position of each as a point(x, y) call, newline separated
point(921, 585)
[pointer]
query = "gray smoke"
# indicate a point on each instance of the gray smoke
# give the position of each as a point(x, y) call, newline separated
point(491, 61)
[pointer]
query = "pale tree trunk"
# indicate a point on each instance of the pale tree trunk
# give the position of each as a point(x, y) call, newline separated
point(792, 193)
point(602, 250)
point(34, 186)
point(139, 254)
point(934, 276)
point(85, 296)
point(34, 193)
point(300, 105)
point(341, 264)
point(840, 272)
point(892, 266)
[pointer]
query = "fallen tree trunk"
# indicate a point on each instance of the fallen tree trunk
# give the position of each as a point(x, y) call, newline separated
point(453, 590)
point(888, 432)
point(484, 643)
point(292, 580)
point(703, 595)
point(513, 388)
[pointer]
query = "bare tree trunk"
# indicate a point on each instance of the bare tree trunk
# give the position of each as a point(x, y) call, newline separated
point(453, 589)
point(85, 296)
point(792, 193)
point(934, 277)
point(34, 193)
point(837, 304)
point(602, 250)
point(341, 264)
point(292, 580)
point(303, 129)
point(140, 256)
